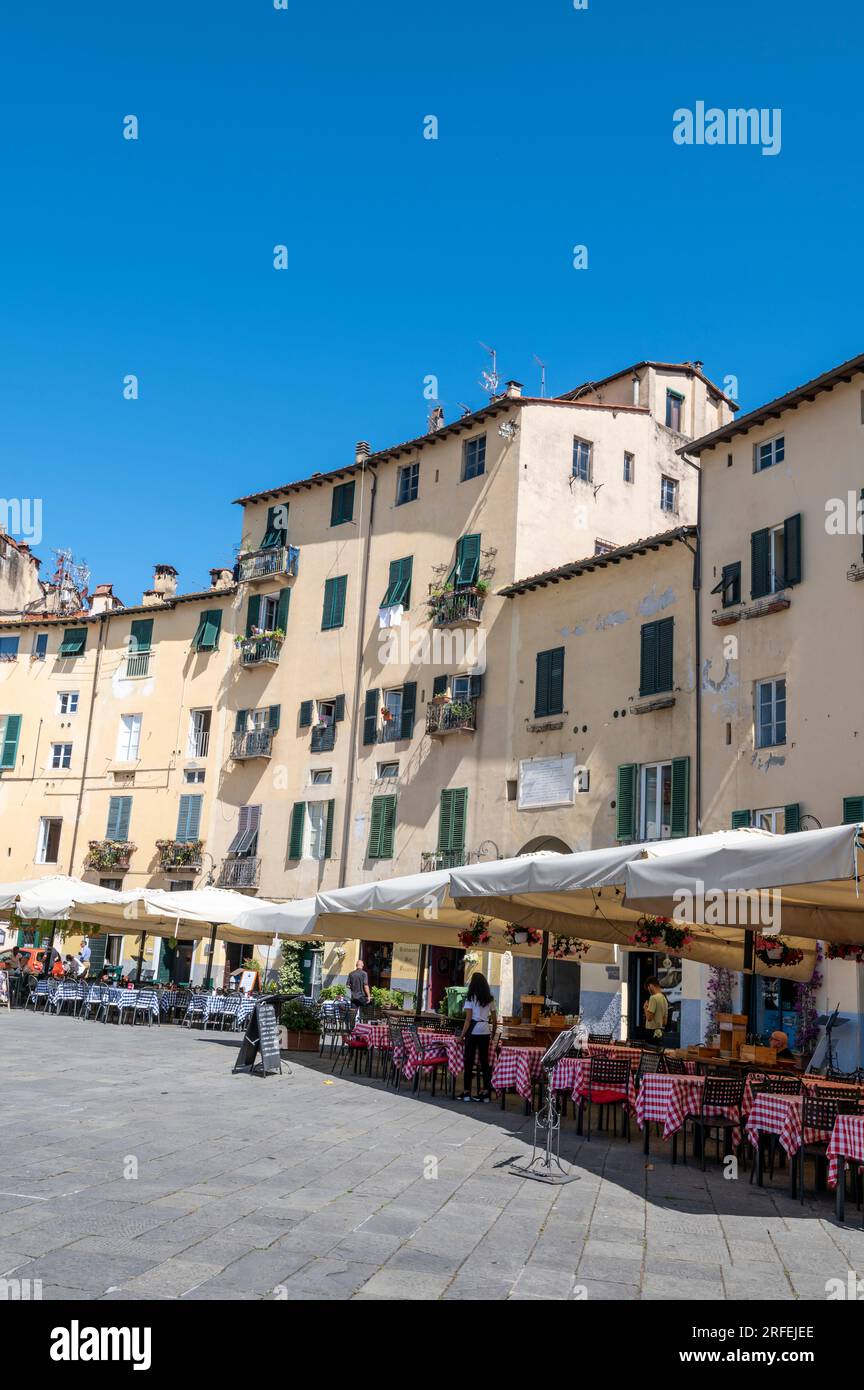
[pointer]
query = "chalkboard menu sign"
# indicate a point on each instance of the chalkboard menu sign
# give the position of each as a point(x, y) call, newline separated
point(259, 1050)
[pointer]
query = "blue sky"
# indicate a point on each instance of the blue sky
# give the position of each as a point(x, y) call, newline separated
point(304, 127)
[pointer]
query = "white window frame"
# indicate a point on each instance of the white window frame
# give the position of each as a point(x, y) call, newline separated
point(672, 484)
point(778, 572)
point(773, 726)
point(776, 453)
point(629, 467)
point(321, 777)
point(70, 697)
point(773, 818)
point(411, 473)
point(268, 612)
point(587, 475)
point(61, 755)
point(45, 823)
point(193, 776)
point(315, 831)
point(199, 735)
point(382, 776)
point(663, 766)
point(129, 738)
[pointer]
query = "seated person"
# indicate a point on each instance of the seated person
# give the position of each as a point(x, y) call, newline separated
point(58, 969)
point(780, 1041)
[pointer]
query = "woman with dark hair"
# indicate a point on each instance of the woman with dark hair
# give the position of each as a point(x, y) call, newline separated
point(476, 1035)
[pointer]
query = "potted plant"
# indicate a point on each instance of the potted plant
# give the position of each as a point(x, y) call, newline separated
point(300, 1027)
point(565, 947)
point(773, 951)
point(845, 950)
point(477, 934)
point(521, 936)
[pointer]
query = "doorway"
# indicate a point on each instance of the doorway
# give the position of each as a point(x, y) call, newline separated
point(445, 968)
point(641, 965)
point(176, 964)
point(377, 956)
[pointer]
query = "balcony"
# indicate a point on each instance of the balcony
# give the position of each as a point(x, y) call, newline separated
point(255, 743)
point(239, 873)
point(278, 560)
point(137, 665)
point(457, 608)
point(430, 860)
point(180, 855)
point(452, 717)
point(106, 855)
point(260, 651)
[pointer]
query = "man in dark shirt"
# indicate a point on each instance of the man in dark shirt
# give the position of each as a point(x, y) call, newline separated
point(358, 986)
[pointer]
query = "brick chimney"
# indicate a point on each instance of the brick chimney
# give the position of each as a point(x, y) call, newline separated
point(165, 581)
point(103, 600)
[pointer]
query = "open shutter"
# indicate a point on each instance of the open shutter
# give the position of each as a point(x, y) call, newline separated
point(295, 838)
point(853, 810)
point(338, 709)
point(399, 583)
point(241, 719)
point(253, 613)
point(440, 684)
point(409, 708)
point(740, 820)
point(277, 525)
point(792, 548)
point(273, 717)
point(189, 818)
point(370, 717)
point(476, 687)
point(468, 560)
point(760, 564)
point(282, 609)
point(119, 814)
point(679, 817)
point(11, 734)
point(207, 633)
point(306, 713)
point(625, 802)
point(141, 637)
point(792, 817)
point(328, 831)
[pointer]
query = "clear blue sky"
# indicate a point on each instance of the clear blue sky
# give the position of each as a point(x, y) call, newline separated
point(304, 127)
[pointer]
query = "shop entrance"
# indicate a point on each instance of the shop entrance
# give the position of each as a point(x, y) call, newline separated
point(445, 969)
point(775, 1008)
point(175, 964)
point(378, 959)
point(641, 965)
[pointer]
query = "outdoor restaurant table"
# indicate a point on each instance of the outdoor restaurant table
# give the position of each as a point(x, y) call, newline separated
point(847, 1141)
point(754, 1078)
point(780, 1115)
point(667, 1100)
point(448, 1043)
point(571, 1074)
point(517, 1068)
point(128, 999)
point(374, 1034)
point(616, 1052)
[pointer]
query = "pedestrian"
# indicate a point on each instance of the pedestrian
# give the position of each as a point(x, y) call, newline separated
point(477, 1032)
point(84, 955)
point(358, 987)
point(655, 1008)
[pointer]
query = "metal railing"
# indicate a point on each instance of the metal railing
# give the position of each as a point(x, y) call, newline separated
point(199, 744)
point(137, 665)
point(257, 651)
point(239, 873)
point(279, 559)
point(180, 854)
point(430, 860)
point(389, 731)
point(460, 606)
point(450, 718)
point(255, 743)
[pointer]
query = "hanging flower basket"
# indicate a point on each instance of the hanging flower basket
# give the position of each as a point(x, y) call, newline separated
point(652, 932)
point(773, 951)
point(568, 948)
point(846, 950)
point(522, 936)
point(477, 934)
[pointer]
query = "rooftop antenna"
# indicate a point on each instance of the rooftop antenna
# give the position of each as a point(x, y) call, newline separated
point(466, 409)
point(542, 366)
point(489, 380)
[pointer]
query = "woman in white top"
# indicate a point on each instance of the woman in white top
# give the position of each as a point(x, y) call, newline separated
point(477, 1034)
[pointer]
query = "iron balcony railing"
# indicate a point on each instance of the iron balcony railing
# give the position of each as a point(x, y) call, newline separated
point(239, 873)
point(278, 559)
point(451, 718)
point(260, 651)
point(180, 854)
point(460, 606)
point(199, 744)
point(255, 743)
point(389, 731)
point(137, 665)
point(441, 859)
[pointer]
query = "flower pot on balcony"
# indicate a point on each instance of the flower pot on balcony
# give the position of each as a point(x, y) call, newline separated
point(442, 698)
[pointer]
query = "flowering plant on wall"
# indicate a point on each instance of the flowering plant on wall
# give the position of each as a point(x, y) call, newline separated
point(719, 989)
point(521, 936)
point(477, 934)
point(846, 950)
point(805, 1005)
point(772, 950)
point(568, 947)
point(657, 931)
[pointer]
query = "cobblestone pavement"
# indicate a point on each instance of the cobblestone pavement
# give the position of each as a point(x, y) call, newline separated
point(134, 1165)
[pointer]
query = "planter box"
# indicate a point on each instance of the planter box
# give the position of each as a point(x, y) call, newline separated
point(292, 1041)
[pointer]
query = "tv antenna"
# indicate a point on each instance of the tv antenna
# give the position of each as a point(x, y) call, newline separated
point(489, 380)
point(542, 366)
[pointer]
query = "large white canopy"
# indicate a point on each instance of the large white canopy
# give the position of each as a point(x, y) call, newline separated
point(53, 898)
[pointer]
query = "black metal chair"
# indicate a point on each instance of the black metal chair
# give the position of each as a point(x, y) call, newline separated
point(430, 1056)
point(649, 1063)
point(819, 1112)
point(718, 1091)
point(776, 1084)
point(673, 1066)
point(606, 1084)
point(599, 1037)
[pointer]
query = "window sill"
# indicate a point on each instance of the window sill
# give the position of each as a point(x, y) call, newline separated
point(647, 706)
point(724, 616)
point(772, 603)
point(544, 725)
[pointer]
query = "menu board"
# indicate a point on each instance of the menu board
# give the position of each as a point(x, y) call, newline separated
point(259, 1050)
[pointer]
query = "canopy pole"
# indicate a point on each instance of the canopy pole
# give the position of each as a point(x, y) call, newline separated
point(208, 979)
point(421, 979)
point(748, 994)
point(140, 962)
point(544, 963)
point(46, 967)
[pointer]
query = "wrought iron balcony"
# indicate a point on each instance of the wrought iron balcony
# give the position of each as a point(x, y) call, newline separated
point(255, 743)
point(180, 854)
point(109, 854)
point(433, 859)
point(137, 665)
point(262, 564)
point(459, 608)
point(260, 651)
point(239, 873)
point(458, 716)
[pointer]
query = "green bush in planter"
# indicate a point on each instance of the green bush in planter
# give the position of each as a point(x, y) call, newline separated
point(333, 992)
point(299, 1018)
point(387, 998)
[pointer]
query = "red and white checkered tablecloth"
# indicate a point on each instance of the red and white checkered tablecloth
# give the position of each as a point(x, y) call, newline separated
point(847, 1140)
point(374, 1034)
point(615, 1052)
point(516, 1069)
point(571, 1074)
point(449, 1044)
point(667, 1100)
point(755, 1078)
point(781, 1115)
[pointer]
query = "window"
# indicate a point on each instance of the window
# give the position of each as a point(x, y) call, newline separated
point(311, 834)
point(40, 646)
point(342, 504)
point(189, 819)
point(655, 656)
point(198, 741)
point(382, 830)
point(730, 584)
point(674, 405)
point(392, 714)
point(771, 712)
point(334, 602)
point(206, 638)
point(141, 635)
point(452, 821)
point(582, 460)
point(474, 457)
point(193, 775)
point(128, 738)
point(780, 820)
point(321, 776)
point(386, 770)
point(655, 801)
point(407, 484)
point(10, 732)
point(399, 583)
point(74, 642)
point(652, 802)
point(9, 648)
point(549, 683)
point(179, 885)
point(268, 612)
point(466, 570)
point(629, 467)
point(61, 754)
point(48, 846)
point(318, 812)
point(769, 452)
point(276, 530)
point(245, 841)
point(775, 557)
point(773, 819)
point(67, 702)
point(668, 494)
point(119, 816)
point(114, 883)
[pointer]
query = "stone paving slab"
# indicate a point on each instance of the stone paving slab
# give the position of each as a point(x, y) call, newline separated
point(316, 1186)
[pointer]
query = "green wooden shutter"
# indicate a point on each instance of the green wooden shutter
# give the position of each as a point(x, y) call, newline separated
point(370, 717)
point(409, 709)
point(142, 635)
point(295, 838)
point(440, 684)
point(338, 709)
point(792, 817)
point(11, 735)
point(274, 535)
point(625, 801)
point(665, 663)
point(549, 683)
point(282, 609)
point(679, 818)
point(342, 504)
point(334, 602)
point(853, 810)
point(792, 549)
point(655, 656)
point(399, 583)
point(328, 832)
point(468, 560)
point(253, 613)
point(189, 818)
point(273, 717)
point(119, 813)
point(476, 687)
point(74, 642)
point(740, 820)
point(240, 721)
point(760, 563)
point(306, 713)
point(452, 817)
point(383, 827)
point(206, 636)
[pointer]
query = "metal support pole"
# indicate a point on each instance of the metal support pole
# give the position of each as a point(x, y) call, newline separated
point(208, 979)
point(421, 980)
point(140, 962)
point(544, 963)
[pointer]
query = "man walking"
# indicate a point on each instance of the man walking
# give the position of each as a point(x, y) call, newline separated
point(358, 987)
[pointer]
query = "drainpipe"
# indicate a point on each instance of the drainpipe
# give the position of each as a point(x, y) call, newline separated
point(697, 639)
point(358, 667)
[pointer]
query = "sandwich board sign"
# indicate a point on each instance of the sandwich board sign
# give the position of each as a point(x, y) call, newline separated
point(259, 1049)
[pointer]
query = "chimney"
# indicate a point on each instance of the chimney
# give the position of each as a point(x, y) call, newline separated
point(435, 422)
point(221, 578)
point(635, 389)
point(165, 581)
point(362, 450)
point(103, 599)
point(513, 389)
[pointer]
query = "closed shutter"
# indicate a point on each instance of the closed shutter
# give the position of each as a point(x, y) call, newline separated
point(98, 948)
point(740, 820)
point(549, 683)
point(383, 827)
point(760, 563)
point(273, 717)
point(792, 817)
point(679, 817)
point(665, 639)
point(792, 548)
point(282, 609)
point(338, 709)
point(370, 717)
point(334, 602)
point(295, 838)
point(253, 613)
point(853, 810)
point(656, 656)
point(409, 708)
point(468, 560)
point(625, 801)
point(342, 504)
point(142, 635)
point(119, 814)
point(306, 707)
point(241, 720)
point(452, 817)
point(189, 818)
point(9, 747)
point(328, 831)
point(440, 684)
